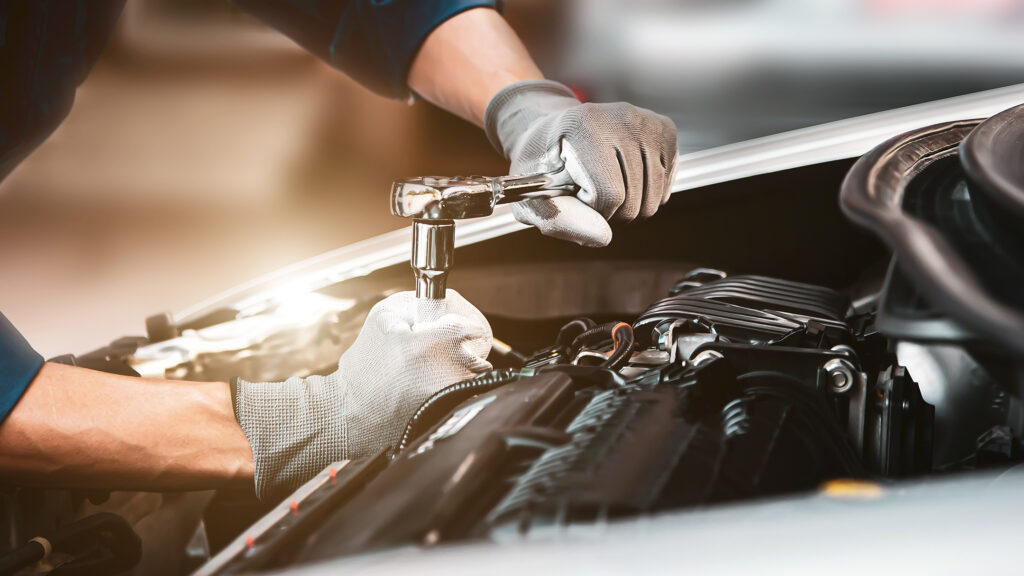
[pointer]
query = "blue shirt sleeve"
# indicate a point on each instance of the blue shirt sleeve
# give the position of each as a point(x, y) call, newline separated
point(47, 48)
point(373, 41)
point(19, 364)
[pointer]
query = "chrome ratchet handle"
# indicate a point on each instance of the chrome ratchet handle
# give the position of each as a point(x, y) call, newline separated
point(543, 185)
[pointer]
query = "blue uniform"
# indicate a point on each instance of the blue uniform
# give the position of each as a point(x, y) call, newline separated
point(47, 48)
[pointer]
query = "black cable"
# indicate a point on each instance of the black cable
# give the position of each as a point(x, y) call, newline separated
point(593, 336)
point(102, 543)
point(444, 400)
point(622, 336)
point(620, 333)
point(21, 557)
point(573, 329)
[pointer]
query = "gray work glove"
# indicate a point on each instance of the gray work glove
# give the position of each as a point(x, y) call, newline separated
point(622, 157)
point(299, 426)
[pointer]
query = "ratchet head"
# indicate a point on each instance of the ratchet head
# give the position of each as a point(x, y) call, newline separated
point(459, 197)
point(435, 202)
point(444, 198)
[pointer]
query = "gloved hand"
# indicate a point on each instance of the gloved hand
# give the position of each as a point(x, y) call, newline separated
point(622, 157)
point(299, 426)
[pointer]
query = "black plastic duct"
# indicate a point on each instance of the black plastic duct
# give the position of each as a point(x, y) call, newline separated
point(955, 240)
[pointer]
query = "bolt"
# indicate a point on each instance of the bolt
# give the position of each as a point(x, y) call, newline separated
point(839, 380)
point(841, 373)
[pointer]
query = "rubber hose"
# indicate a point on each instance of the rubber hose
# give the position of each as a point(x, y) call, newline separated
point(594, 335)
point(570, 331)
point(619, 332)
point(622, 335)
point(21, 557)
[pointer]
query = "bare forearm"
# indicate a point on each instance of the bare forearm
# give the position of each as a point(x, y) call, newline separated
point(80, 428)
point(468, 59)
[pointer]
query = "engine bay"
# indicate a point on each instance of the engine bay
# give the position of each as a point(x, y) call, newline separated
point(744, 387)
point(748, 342)
point(629, 387)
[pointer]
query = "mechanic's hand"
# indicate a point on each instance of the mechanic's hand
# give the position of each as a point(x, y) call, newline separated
point(299, 426)
point(622, 157)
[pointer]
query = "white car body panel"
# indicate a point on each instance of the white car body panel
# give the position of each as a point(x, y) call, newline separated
point(833, 141)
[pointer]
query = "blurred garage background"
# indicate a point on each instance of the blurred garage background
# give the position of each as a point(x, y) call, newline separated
point(204, 149)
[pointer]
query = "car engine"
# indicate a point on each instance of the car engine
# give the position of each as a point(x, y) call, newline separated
point(744, 386)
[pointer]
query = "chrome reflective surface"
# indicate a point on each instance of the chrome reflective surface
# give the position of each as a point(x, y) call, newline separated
point(462, 197)
point(308, 332)
point(434, 202)
point(433, 252)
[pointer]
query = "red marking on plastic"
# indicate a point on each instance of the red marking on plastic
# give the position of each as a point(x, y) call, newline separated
point(333, 474)
point(249, 542)
point(294, 505)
